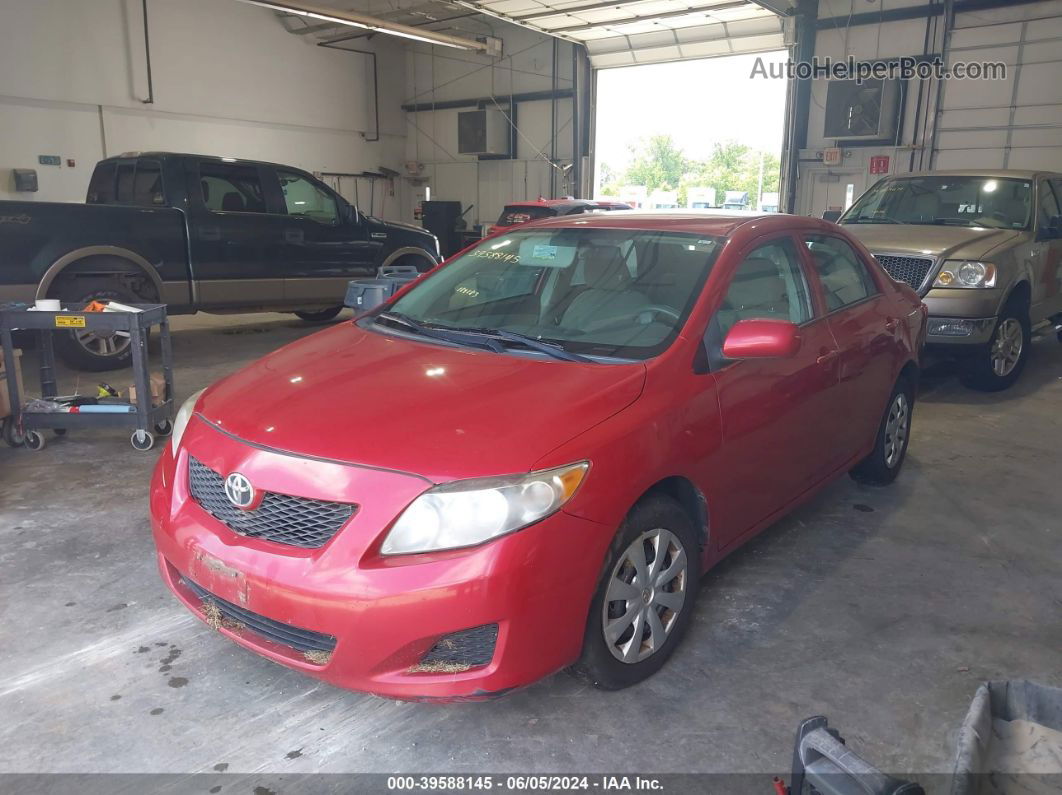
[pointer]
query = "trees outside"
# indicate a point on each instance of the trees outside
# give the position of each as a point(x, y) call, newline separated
point(659, 164)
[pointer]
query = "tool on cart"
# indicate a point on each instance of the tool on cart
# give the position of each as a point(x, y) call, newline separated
point(149, 410)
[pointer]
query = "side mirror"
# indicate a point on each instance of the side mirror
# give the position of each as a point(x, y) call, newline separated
point(831, 215)
point(757, 338)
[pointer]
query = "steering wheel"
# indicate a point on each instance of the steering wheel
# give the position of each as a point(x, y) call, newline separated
point(658, 309)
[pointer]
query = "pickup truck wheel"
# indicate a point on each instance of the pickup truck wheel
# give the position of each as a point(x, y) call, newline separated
point(319, 316)
point(90, 351)
point(998, 365)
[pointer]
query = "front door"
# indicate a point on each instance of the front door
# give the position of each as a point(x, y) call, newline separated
point(235, 241)
point(831, 189)
point(773, 411)
point(326, 243)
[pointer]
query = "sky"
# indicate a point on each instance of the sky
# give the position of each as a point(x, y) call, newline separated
point(699, 103)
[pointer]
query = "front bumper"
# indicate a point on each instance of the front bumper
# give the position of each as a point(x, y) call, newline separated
point(965, 317)
point(385, 614)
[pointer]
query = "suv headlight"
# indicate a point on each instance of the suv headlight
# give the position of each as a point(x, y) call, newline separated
point(180, 422)
point(965, 273)
point(469, 512)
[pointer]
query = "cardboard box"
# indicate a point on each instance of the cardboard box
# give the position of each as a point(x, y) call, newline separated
point(5, 403)
point(158, 389)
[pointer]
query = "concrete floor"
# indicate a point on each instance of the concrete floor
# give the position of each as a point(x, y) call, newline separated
point(881, 608)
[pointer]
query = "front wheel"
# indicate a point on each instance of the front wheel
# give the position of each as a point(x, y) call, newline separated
point(999, 364)
point(319, 316)
point(644, 602)
point(890, 447)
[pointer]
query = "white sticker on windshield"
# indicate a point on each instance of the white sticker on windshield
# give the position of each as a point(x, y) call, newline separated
point(544, 252)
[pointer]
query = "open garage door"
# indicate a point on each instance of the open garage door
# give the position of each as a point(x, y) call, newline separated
point(628, 32)
point(1010, 123)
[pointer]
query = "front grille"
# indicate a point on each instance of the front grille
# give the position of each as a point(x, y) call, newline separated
point(912, 270)
point(303, 640)
point(467, 648)
point(296, 521)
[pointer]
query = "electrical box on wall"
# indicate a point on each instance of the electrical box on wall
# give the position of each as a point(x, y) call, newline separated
point(864, 111)
point(25, 180)
point(483, 132)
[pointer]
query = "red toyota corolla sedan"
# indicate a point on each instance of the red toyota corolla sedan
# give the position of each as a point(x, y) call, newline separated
point(527, 459)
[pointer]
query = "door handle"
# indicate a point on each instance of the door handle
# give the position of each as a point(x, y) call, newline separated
point(826, 356)
point(293, 236)
point(891, 324)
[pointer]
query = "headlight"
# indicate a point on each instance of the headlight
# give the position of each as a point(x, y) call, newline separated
point(963, 273)
point(180, 422)
point(470, 512)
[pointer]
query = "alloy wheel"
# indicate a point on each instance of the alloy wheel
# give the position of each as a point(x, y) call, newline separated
point(1007, 346)
point(896, 429)
point(645, 594)
point(104, 343)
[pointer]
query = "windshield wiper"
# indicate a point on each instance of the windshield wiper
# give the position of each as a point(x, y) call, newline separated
point(952, 222)
point(880, 220)
point(549, 348)
point(455, 336)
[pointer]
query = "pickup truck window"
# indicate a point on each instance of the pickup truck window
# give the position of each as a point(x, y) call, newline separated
point(101, 186)
point(995, 203)
point(230, 188)
point(302, 197)
point(1050, 201)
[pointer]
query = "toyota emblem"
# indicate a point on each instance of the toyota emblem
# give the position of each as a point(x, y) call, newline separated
point(239, 491)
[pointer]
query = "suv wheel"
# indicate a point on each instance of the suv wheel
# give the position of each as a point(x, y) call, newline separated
point(894, 433)
point(95, 351)
point(644, 602)
point(999, 364)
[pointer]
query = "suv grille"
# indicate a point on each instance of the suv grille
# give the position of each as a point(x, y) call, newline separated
point(912, 270)
point(296, 521)
point(303, 640)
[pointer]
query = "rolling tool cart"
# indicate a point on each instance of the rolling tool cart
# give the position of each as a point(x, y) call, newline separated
point(148, 418)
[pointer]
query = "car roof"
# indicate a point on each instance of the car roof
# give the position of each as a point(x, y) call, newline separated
point(989, 173)
point(591, 203)
point(213, 158)
point(702, 222)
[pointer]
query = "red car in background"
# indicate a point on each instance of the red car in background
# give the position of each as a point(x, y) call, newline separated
point(527, 459)
point(523, 212)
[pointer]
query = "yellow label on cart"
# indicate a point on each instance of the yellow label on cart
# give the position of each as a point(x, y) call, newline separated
point(70, 321)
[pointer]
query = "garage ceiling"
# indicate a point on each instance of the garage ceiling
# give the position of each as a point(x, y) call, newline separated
point(627, 32)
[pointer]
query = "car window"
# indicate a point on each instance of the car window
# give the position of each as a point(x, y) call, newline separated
point(769, 284)
point(520, 214)
point(304, 198)
point(844, 277)
point(147, 184)
point(231, 188)
point(124, 194)
point(607, 292)
point(101, 186)
point(1049, 201)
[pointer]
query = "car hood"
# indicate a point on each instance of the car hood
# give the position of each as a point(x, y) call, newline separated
point(948, 242)
point(377, 400)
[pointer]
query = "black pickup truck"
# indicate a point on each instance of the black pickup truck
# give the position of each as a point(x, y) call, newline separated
point(209, 234)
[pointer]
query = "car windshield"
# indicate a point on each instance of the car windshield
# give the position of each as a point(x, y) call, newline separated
point(520, 214)
point(589, 292)
point(990, 202)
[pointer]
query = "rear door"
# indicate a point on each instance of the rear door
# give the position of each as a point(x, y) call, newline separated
point(866, 330)
point(236, 242)
point(773, 411)
point(326, 243)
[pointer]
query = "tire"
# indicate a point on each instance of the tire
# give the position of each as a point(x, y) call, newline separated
point(653, 520)
point(884, 463)
point(999, 364)
point(35, 440)
point(320, 316)
point(422, 264)
point(164, 428)
point(90, 352)
point(142, 440)
point(11, 435)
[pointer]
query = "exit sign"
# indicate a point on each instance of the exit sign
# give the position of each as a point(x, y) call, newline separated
point(879, 164)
